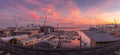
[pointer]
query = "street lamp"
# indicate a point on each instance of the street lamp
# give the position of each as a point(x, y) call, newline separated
point(79, 32)
point(34, 50)
point(0, 42)
point(80, 41)
point(35, 46)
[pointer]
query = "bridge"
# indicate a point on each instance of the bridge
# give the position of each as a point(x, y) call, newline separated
point(100, 50)
point(70, 27)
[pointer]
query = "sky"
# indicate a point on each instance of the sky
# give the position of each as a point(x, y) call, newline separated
point(62, 12)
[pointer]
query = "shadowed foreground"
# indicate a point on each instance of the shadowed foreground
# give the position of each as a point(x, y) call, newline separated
point(108, 49)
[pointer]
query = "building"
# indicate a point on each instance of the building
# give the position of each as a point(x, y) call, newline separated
point(94, 38)
point(19, 37)
point(47, 29)
point(6, 31)
point(29, 32)
point(44, 45)
point(28, 41)
point(31, 27)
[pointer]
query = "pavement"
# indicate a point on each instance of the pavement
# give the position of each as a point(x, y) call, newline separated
point(117, 52)
point(4, 53)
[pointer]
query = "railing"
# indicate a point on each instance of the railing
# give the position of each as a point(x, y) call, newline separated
point(100, 50)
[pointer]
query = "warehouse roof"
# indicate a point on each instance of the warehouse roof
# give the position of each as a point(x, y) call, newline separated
point(99, 36)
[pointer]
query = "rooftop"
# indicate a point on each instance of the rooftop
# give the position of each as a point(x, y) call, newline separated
point(28, 39)
point(99, 36)
point(10, 37)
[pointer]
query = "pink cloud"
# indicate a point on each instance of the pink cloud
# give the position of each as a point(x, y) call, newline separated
point(35, 15)
point(67, 14)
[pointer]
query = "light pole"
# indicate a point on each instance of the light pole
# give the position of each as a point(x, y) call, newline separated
point(79, 32)
point(57, 26)
point(34, 50)
point(35, 46)
point(0, 42)
point(115, 22)
point(80, 40)
point(13, 44)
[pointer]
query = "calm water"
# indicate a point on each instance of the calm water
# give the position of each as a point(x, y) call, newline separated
point(75, 43)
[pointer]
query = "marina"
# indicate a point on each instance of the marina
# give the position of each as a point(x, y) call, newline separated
point(59, 27)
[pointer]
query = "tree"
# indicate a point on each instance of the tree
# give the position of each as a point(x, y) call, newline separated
point(13, 41)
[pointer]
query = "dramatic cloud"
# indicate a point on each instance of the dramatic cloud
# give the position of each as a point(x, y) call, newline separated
point(63, 12)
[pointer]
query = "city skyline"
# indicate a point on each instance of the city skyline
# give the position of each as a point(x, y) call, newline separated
point(63, 12)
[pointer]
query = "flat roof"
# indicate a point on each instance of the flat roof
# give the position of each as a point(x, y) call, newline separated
point(99, 36)
point(28, 39)
point(10, 37)
point(25, 31)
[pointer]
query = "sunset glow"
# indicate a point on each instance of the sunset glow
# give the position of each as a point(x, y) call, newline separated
point(62, 12)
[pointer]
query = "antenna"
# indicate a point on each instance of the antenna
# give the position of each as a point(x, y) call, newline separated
point(57, 25)
point(115, 23)
point(114, 20)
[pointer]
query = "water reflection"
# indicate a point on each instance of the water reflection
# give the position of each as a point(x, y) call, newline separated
point(71, 44)
point(75, 43)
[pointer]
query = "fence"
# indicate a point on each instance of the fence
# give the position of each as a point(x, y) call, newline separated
point(100, 50)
